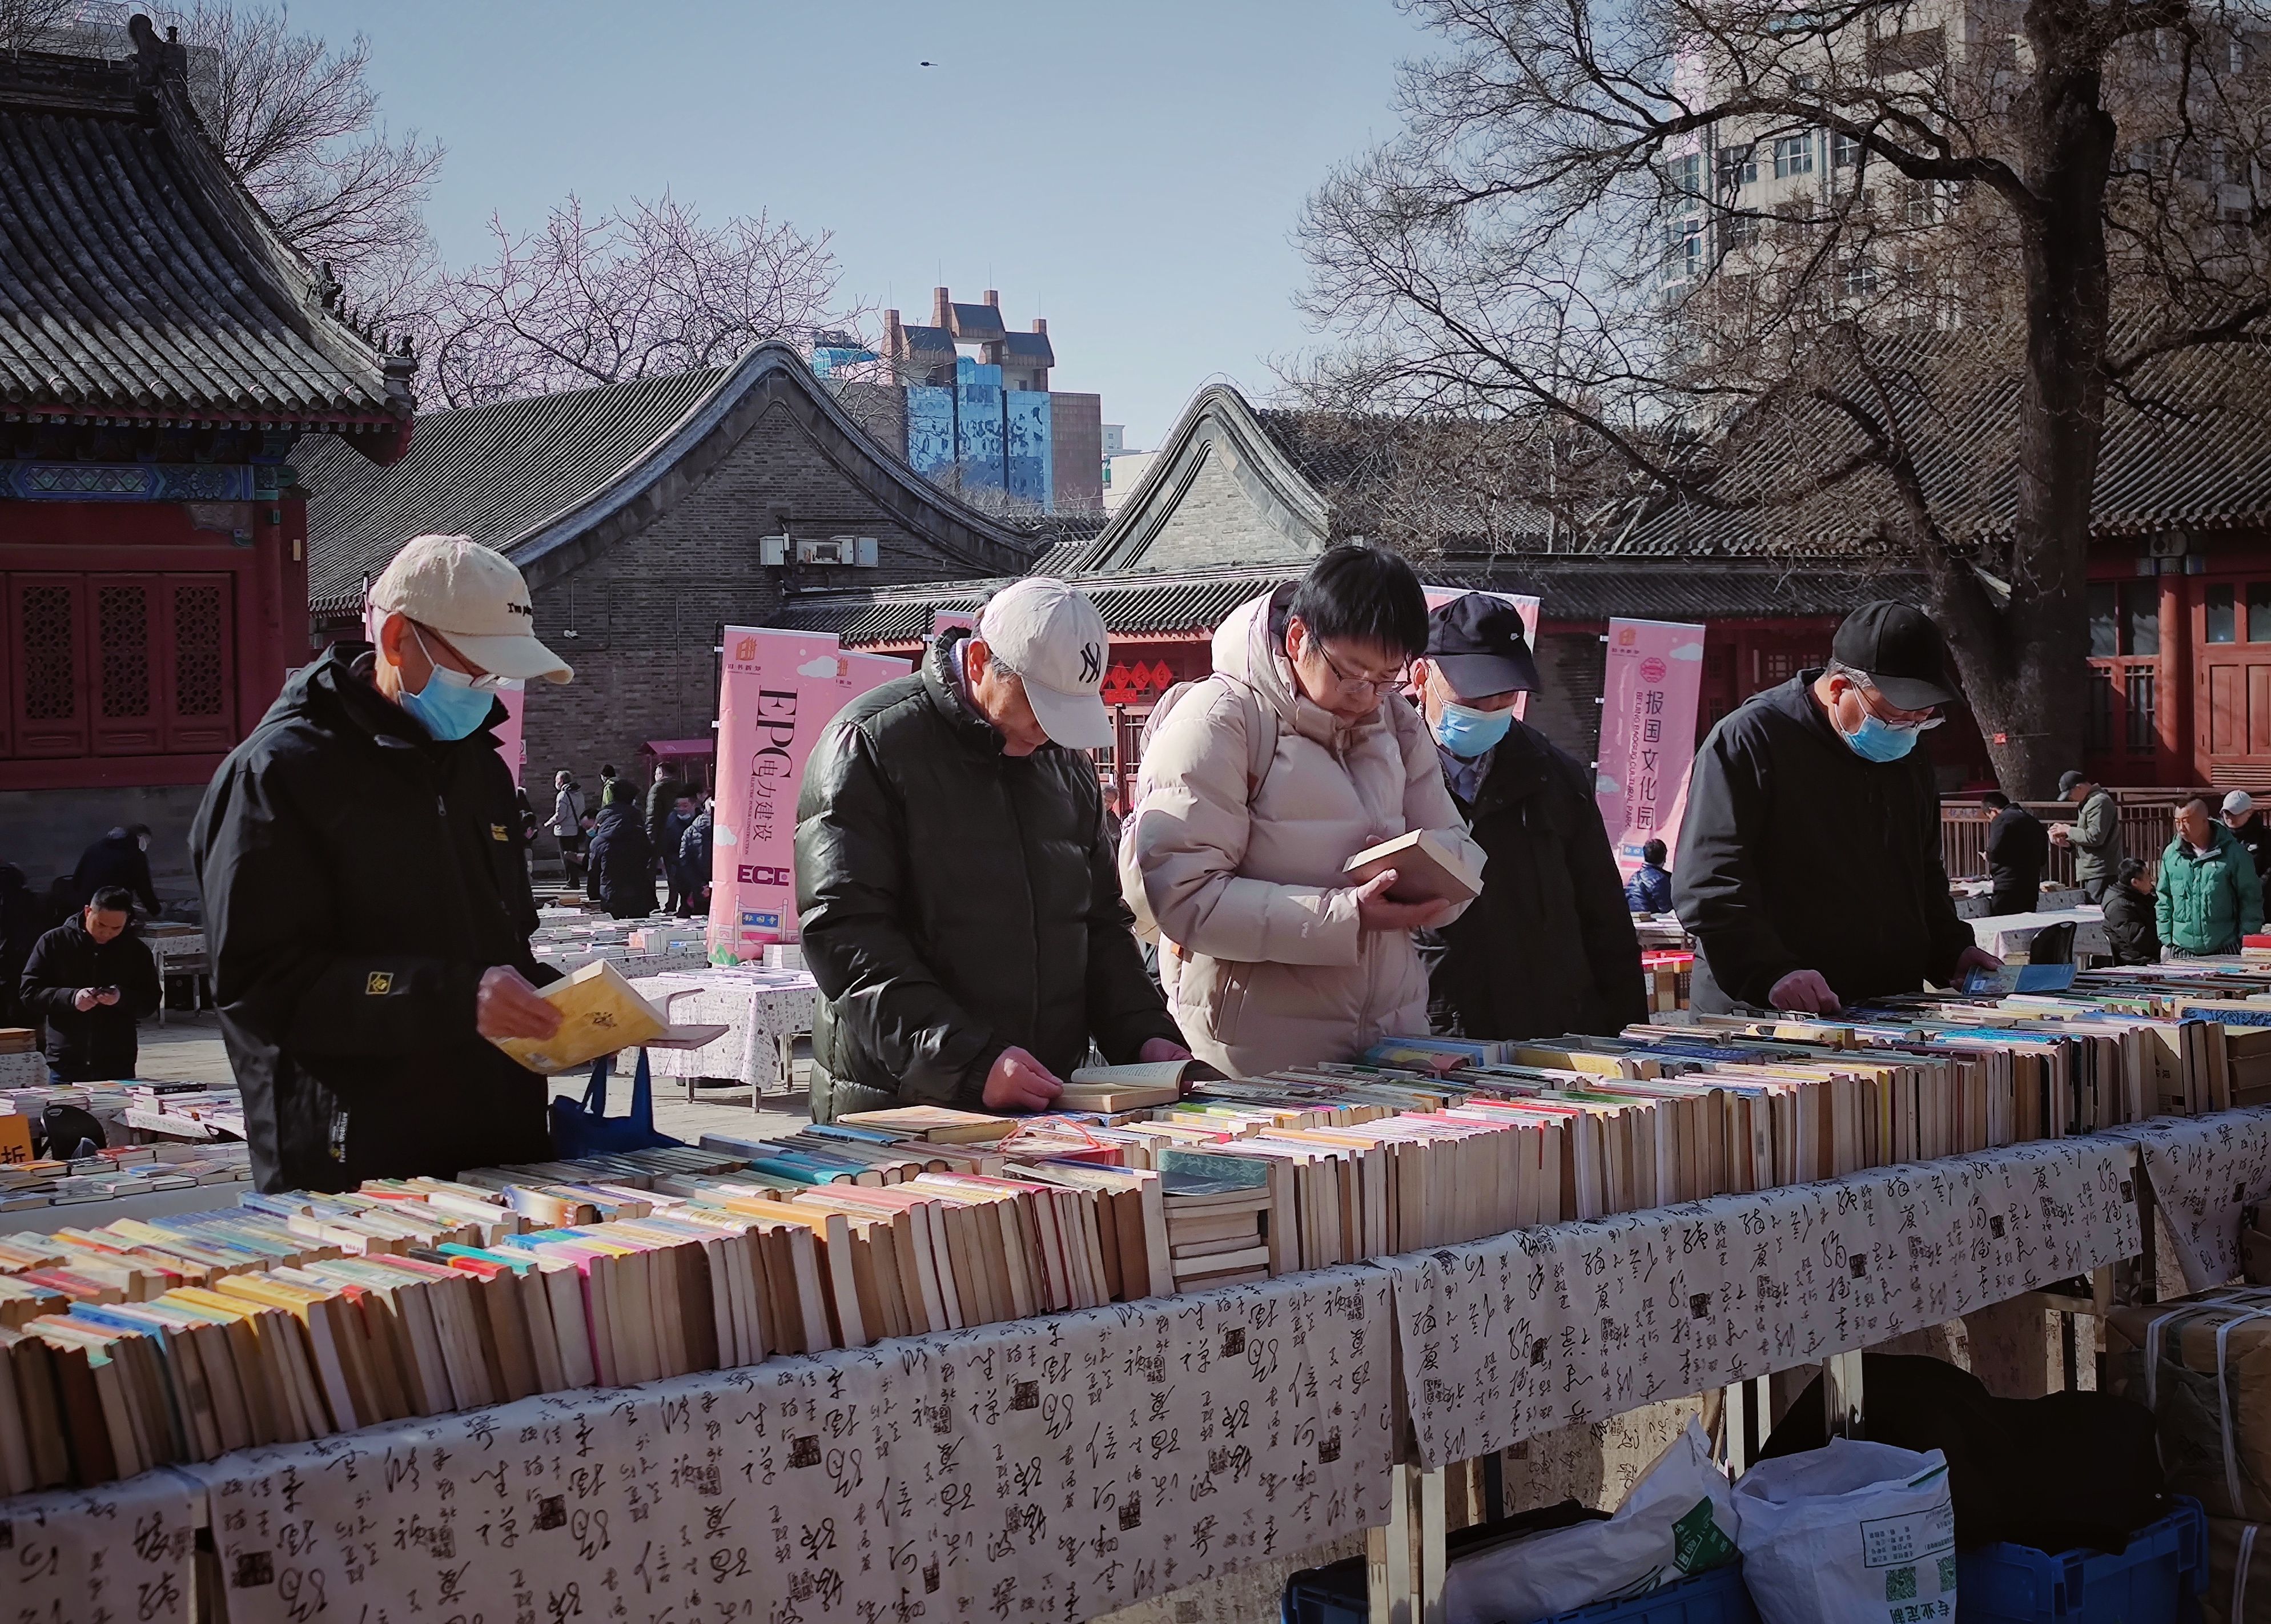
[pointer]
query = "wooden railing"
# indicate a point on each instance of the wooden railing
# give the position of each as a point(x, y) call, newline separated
point(2146, 828)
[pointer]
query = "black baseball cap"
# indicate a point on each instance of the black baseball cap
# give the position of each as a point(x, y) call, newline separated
point(1477, 639)
point(1900, 650)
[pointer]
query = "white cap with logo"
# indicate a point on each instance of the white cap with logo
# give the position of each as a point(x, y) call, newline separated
point(1053, 639)
point(474, 596)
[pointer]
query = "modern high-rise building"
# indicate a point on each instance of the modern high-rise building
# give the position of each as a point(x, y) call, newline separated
point(968, 403)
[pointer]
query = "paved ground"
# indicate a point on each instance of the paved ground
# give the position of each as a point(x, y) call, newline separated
point(188, 1049)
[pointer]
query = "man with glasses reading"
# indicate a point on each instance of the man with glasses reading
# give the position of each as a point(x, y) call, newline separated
point(366, 895)
point(1257, 787)
point(1809, 867)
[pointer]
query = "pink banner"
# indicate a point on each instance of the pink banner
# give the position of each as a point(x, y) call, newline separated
point(511, 742)
point(779, 691)
point(1648, 732)
point(1524, 606)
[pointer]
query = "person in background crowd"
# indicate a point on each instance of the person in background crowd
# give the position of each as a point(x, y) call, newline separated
point(1548, 946)
point(366, 906)
point(1809, 864)
point(693, 857)
point(611, 788)
point(121, 858)
point(1649, 890)
point(2131, 927)
point(1258, 786)
point(21, 918)
point(93, 978)
point(623, 863)
point(2018, 845)
point(527, 817)
point(567, 824)
point(662, 798)
point(2095, 834)
point(680, 818)
point(1115, 819)
point(2210, 895)
point(2247, 824)
point(954, 895)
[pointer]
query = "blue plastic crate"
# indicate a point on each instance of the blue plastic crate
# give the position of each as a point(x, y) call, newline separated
point(2154, 1582)
point(1335, 1595)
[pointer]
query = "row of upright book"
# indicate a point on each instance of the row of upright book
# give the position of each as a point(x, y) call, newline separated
point(136, 1343)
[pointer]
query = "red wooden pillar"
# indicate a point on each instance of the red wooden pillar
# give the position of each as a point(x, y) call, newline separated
point(2175, 709)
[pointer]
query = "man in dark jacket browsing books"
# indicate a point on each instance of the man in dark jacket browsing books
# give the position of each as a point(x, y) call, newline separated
point(366, 893)
point(1809, 867)
point(957, 900)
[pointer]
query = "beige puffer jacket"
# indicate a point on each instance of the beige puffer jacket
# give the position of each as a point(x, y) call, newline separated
point(1264, 963)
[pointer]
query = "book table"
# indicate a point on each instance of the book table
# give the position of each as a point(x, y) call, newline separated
point(766, 1011)
point(1063, 1467)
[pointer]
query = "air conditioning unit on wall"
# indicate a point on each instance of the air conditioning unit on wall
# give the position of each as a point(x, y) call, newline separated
point(855, 551)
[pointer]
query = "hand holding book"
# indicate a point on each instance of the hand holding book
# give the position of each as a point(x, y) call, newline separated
point(506, 1006)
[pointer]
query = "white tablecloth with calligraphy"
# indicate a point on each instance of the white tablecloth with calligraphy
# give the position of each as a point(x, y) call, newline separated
point(117, 1554)
point(1054, 1469)
point(1505, 1338)
point(2203, 1170)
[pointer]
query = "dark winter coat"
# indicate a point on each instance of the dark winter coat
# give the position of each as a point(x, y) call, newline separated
point(1548, 948)
point(2130, 928)
point(671, 848)
point(623, 863)
point(1649, 890)
point(1797, 854)
point(955, 900)
point(116, 859)
point(661, 807)
point(95, 1045)
point(22, 917)
point(2256, 836)
point(359, 879)
point(2018, 845)
point(694, 850)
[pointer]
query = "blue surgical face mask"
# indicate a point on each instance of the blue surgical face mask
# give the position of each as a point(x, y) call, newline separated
point(450, 707)
point(1880, 740)
point(1467, 733)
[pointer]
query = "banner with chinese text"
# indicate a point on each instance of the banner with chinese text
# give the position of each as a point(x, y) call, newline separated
point(1648, 732)
point(779, 691)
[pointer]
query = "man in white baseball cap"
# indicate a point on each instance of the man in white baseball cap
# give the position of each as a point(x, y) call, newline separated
point(955, 891)
point(367, 905)
point(2241, 817)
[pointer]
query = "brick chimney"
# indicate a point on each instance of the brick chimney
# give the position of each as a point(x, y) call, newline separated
point(895, 338)
point(939, 299)
point(994, 297)
point(1041, 326)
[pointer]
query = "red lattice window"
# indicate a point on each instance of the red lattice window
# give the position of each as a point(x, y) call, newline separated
point(117, 665)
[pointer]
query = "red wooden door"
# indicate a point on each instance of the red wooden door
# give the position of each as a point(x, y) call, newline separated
point(48, 665)
point(200, 664)
point(128, 709)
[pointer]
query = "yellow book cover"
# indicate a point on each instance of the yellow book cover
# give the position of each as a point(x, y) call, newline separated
point(600, 1014)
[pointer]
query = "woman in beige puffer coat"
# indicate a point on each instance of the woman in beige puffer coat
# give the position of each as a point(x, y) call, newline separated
point(1236, 856)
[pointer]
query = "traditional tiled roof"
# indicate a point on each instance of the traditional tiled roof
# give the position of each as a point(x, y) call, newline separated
point(542, 477)
point(1162, 604)
point(140, 284)
point(2187, 447)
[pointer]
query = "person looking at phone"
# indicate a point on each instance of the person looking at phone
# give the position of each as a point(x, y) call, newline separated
point(91, 979)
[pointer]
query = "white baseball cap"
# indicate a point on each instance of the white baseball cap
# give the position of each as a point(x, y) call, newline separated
point(474, 596)
point(1053, 639)
point(2238, 803)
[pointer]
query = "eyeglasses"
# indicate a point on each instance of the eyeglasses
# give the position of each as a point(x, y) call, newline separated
point(1921, 721)
point(1374, 686)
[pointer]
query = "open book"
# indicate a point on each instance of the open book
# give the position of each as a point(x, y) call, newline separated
point(1428, 869)
point(1135, 1087)
point(600, 1014)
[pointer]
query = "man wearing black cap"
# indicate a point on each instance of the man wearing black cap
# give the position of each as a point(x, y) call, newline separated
point(1809, 865)
point(1549, 946)
point(2095, 834)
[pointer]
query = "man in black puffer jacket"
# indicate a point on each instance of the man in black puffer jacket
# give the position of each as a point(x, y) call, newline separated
point(958, 901)
point(621, 862)
point(366, 894)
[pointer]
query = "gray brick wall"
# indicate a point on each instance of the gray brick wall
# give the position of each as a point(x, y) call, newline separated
point(1216, 522)
point(647, 614)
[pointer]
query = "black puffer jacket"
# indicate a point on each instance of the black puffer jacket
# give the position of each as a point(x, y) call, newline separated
point(1797, 854)
point(1549, 947)
point(99, 1044)
point(954, 901)
point(2133, 928)
point(359, 878)
point(621, 862)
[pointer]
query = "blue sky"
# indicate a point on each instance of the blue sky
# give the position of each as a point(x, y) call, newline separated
point(1132, 171)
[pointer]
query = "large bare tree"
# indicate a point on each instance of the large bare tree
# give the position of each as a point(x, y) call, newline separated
point(298, 123)
point(1691, 229)
point(635, 291)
